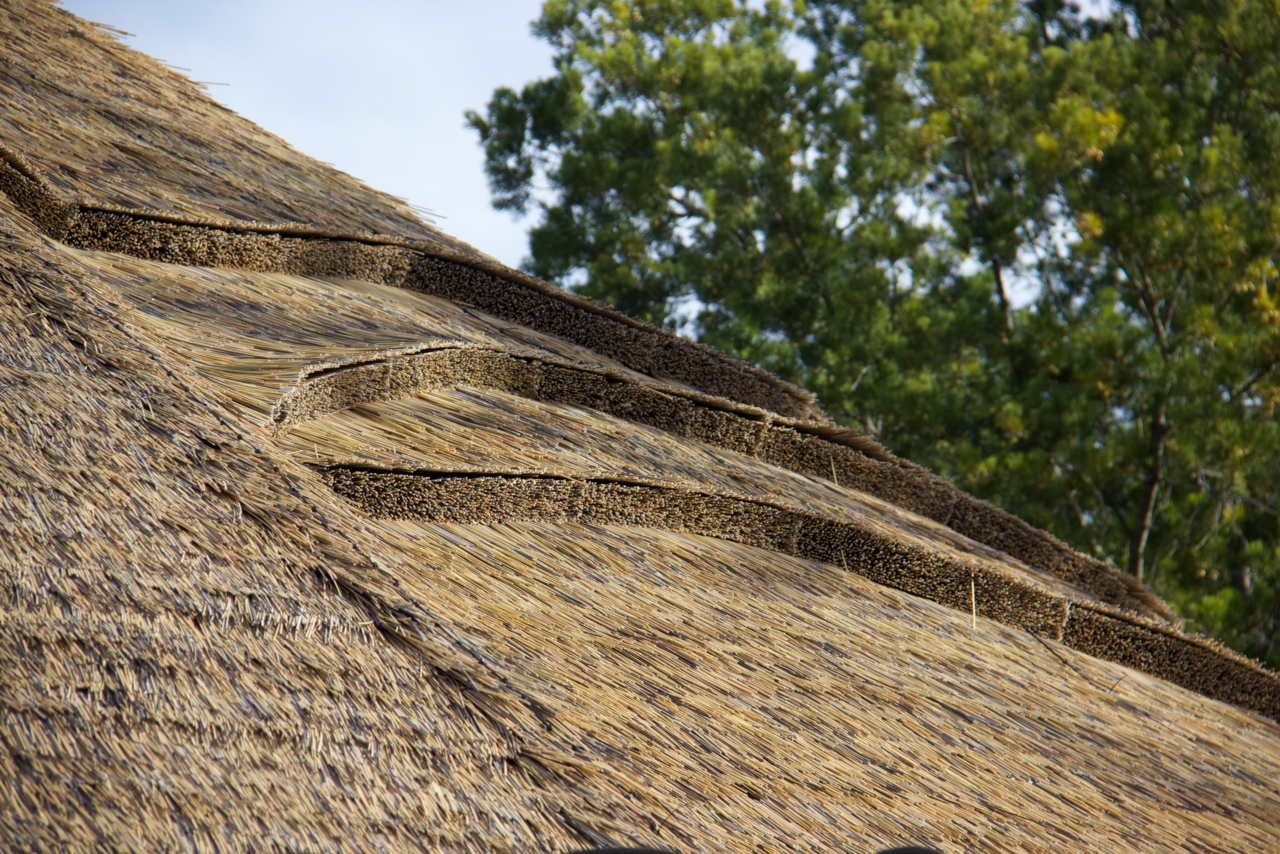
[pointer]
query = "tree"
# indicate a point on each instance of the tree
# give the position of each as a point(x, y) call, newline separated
point(1028, 248)
point(1185, 201)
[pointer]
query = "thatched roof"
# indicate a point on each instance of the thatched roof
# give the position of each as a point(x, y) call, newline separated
point(333, 533)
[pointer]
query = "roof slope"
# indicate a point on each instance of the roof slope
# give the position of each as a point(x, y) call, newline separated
point(323, 540)
point(117, 129)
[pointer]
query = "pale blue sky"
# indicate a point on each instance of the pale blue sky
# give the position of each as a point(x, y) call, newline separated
point(376, 87)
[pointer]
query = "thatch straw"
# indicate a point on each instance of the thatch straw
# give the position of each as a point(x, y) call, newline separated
point(202, 646)
point(108, 126)
point(440, 271)
point(392, 405)
point(814, 701)
point(195, 651)
point(151, 165)
point(775, 702)
point(894, 558)
point(643, 349)
point(812, 449)
point(383, 336)
point(379, 412)
point(429, 267)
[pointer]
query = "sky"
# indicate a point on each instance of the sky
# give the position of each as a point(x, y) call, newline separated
point(378, 88)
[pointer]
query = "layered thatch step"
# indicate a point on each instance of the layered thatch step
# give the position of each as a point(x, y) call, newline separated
point(706, 396)
point(1094, 628)
point(812, 447)
point(431, 268)
point(809, 448)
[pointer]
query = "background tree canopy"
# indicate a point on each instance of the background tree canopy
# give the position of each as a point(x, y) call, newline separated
point(1031, 249)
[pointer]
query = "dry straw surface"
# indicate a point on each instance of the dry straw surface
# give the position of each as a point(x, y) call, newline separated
point(108, 126)
point(118, 152)
point(370, 544)
point(814, 701)
point(203, 646)
point(411, 430)
point(366, 354)
point(396, 383)
point(196, 648)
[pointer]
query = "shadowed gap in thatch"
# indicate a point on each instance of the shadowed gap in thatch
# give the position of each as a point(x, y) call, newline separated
point(525, 300)
point(810, 450)
point(475, 280)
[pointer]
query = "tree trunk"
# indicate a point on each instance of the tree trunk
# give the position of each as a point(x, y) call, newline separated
point(1141, 530)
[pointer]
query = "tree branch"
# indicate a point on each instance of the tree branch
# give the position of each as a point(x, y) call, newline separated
point(996, 270)
point(1249, 383)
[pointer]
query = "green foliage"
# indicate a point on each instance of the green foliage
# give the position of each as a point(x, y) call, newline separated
point(1030, 249)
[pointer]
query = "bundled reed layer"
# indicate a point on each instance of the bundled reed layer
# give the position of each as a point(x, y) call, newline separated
point(813, 449)
point(1091, 627)
point(432, 268)
point(307, 418)
point(644, 349)
point(204, 646)
point(374, 327)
